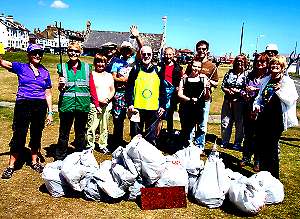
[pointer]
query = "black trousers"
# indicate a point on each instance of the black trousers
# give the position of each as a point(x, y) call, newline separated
point(149, 120)
point(119, 127)
point(66, 122)
point(28, 113)
point(170, 112)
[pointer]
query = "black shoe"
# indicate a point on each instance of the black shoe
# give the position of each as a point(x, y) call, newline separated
point(38, 167)
point(7, 173)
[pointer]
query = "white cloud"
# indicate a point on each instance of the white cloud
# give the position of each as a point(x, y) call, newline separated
point(59, 4)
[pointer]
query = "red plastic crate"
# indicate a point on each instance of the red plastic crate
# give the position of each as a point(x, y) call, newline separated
point(163, 197)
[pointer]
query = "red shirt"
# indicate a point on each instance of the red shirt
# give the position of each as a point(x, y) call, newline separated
point(168, 73)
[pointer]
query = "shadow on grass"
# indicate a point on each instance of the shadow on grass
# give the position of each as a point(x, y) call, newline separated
point(70, 193)
point(289, 144)
point(227, 206)
point(5, 153)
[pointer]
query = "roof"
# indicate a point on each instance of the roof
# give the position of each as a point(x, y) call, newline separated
point(51, 32)
point(14, 25)
point(96, 38)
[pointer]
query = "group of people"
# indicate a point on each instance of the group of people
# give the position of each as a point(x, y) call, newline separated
point(261, 102)
point(130, 84)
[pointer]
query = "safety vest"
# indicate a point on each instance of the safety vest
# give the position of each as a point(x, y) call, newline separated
point(146, 91)
point(76, 95)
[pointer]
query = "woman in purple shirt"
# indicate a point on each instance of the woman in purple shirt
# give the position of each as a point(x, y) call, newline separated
point(260, 67)
point(33, 99)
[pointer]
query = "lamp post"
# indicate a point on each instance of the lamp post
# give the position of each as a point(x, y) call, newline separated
point(257, 38)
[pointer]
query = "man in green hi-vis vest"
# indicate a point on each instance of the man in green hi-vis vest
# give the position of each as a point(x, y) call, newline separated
point(145, 94)
point(77, 89)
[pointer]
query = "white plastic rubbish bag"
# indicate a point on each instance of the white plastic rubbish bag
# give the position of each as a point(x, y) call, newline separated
point(92, 189)
point(148, 160)
point(135, 189)
point(273, 187)
point(123, 169)
point(174, 175)
point(54, 181)
point(75, 166)
point(123, 177)
point(234, 175)
point(190, 158)
point(213, 184)
point(247, 195)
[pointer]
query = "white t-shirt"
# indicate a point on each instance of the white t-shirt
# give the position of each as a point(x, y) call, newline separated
point(103, 81)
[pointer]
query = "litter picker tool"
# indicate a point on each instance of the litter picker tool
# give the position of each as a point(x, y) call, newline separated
point(59, 43)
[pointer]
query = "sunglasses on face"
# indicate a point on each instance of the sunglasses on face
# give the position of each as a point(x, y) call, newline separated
point(36, 52)
point(147, 54)
point(97, 60)
point(73, 51)
point(201, 49)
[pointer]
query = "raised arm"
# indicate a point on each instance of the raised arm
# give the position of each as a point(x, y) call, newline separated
point(5, 64)
point(136, 34)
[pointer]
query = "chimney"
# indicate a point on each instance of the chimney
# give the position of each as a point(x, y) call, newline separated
point(88, 27)
point(10, 18)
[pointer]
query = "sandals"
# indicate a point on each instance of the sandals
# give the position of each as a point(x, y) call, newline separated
point(7, 173)
point(38, 167)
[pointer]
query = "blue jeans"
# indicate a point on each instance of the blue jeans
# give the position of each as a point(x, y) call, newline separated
point(202, 127)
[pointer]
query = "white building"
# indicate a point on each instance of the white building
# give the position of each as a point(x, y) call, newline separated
point(50, 41)
point(12, 33)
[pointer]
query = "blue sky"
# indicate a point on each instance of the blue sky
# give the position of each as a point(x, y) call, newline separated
point(218, 22)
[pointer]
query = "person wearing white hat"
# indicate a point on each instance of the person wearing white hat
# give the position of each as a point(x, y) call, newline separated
point(271, 50)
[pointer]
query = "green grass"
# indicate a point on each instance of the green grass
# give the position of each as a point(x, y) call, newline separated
point(23, 196)
point(9, 82)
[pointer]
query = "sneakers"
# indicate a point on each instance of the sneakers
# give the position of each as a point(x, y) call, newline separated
point(38, 167)
point(7, 173)
point(104, 150)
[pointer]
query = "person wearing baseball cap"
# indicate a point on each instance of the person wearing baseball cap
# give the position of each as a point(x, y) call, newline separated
point(33, 100)
point(109, 50)
point(120, 71)
point(271, 50)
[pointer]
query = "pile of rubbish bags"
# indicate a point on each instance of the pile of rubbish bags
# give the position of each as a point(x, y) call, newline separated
point(141, 165)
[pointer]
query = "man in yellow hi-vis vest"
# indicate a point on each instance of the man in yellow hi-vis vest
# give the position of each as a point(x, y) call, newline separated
point(145, 94)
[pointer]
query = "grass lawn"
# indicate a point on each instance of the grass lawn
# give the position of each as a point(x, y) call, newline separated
point(23, 196)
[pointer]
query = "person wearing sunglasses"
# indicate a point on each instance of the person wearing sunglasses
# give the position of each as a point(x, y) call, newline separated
point(275, 106)
point(109, 50)
point(77, 90)
point(145, 94)
point(271, 50)
point(33, 100)
point(253, 80)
